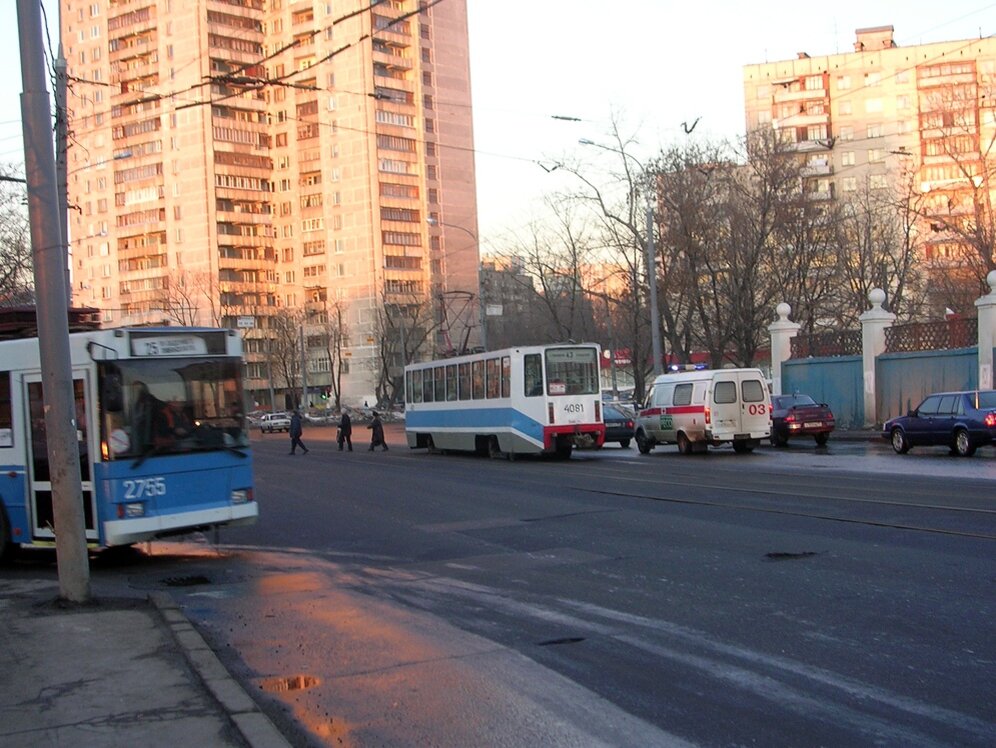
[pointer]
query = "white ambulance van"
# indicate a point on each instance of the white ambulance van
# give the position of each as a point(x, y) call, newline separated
point(694, 409)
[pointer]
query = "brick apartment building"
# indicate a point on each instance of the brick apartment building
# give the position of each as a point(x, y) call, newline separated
point(233, 160)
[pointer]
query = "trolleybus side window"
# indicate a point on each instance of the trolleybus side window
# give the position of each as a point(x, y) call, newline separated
point(478, 376)
point(465, 381)
point(532, 374)
point(6, 424)
point(506, 376)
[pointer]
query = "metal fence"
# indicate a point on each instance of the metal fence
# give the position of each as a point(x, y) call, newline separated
point(932, 336)
point(824, 344)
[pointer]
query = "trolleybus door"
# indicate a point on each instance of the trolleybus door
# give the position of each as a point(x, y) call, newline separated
point(40, 485)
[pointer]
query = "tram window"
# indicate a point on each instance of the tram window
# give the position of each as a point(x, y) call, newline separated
point(439, 375)
point(506, 376)
point(532, 374)
point(416, 386)
point(478, 376)
point(451, 382)
point(6, 424)
point(427, 389)
point(465, 381)
point(494, 383)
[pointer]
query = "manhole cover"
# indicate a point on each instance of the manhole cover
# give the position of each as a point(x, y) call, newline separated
point(289, 683)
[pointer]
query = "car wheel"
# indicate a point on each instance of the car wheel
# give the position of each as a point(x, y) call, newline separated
point(822, 439)
point(963, 443)
point(778, 439)
point(899, 442)
point(684, 445)
point(624, 443)
point(643, 443)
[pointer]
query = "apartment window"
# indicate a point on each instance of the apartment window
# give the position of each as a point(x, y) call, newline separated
point(848, 184)
point(847, 158)
point(340, 246)
point(763, 92)
point(843, 82)
point(844, 107)
point(845, 133)
point(903, 76)
point(430, 172)
point(878, 181)
point(872, 79)
point(903, 102)
point(814, 83)
point(289, 276)
point(875, 130)
point(816, 132)
point(876, 155)
point(288, 254)
point(430, 125)
point(764, 117)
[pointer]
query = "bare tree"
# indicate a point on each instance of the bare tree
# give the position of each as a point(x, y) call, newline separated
point(285, 348)
point(405, 329)
point(335, 335)
point(16, 268)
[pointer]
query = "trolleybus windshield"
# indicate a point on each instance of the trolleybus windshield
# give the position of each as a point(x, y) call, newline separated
point(170, 406)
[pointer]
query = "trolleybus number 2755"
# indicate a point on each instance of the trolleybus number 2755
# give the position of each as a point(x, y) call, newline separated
point(141, 488)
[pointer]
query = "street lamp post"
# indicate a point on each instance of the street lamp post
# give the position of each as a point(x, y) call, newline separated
point(651, 257)
point(481, 309)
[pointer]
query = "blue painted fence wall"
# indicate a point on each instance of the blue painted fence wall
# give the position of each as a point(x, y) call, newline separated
point(836, 381)
point(904, 379)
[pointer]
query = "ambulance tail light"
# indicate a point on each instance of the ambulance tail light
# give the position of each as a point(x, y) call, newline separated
point(708, 416)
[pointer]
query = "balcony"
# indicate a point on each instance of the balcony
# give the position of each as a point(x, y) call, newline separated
point(804, 95)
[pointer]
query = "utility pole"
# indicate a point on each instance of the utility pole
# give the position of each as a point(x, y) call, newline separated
point(61, 155)
point(49, 254)
point(304, 372)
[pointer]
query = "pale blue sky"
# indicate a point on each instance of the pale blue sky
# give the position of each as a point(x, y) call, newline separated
point(656, 63)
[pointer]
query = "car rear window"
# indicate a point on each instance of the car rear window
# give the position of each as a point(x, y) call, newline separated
point(987, 399)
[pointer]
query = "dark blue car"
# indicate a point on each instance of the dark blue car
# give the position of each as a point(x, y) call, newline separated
point(961, 421)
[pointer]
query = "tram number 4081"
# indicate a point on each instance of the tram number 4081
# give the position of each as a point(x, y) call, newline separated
point(574, 408)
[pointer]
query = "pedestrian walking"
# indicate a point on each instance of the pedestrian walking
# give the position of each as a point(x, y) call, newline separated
point(377, 435)
point(295, 434)
point(345, 435)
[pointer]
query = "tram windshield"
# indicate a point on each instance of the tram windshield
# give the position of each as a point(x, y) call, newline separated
point(170, 406)
point(572, 371)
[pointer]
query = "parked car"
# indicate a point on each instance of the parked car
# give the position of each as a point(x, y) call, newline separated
point(799, 415)
point(274, 422)
point(620, 424)
point(961, 421)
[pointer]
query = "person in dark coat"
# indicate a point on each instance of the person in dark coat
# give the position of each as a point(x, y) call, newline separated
point(295, 434)
point(377, 435)
point(345, 432)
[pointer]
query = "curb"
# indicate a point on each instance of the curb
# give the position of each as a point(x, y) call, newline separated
point(254, 726)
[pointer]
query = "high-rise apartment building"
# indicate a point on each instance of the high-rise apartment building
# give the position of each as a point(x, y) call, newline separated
point(866, 118)
point(240, 162)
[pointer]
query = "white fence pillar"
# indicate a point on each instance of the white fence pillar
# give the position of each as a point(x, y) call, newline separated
point(987, 333)
point(782, 331)
point(873, 325)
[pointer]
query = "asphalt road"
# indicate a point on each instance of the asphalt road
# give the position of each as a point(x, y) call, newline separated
point(839, 596)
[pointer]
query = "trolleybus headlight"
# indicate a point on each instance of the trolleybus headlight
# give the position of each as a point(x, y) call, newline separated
point(242, 496)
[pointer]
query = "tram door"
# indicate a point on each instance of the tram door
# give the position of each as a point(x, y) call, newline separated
point(40, 486)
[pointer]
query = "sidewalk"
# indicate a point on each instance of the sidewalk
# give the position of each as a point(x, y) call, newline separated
point(115, 673)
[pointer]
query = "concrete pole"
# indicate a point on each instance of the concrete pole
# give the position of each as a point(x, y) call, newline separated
point(873, 325)
point(49, 255)
point(782, 331)
point(61, 154)
point(987, 333)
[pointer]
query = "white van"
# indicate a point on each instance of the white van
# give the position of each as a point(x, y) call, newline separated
point(694, 409)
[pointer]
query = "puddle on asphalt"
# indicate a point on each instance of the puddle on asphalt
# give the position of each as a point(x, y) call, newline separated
point(289, 683)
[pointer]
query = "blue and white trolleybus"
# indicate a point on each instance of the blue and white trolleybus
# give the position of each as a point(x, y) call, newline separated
point(543, 399)
point(162, 436)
